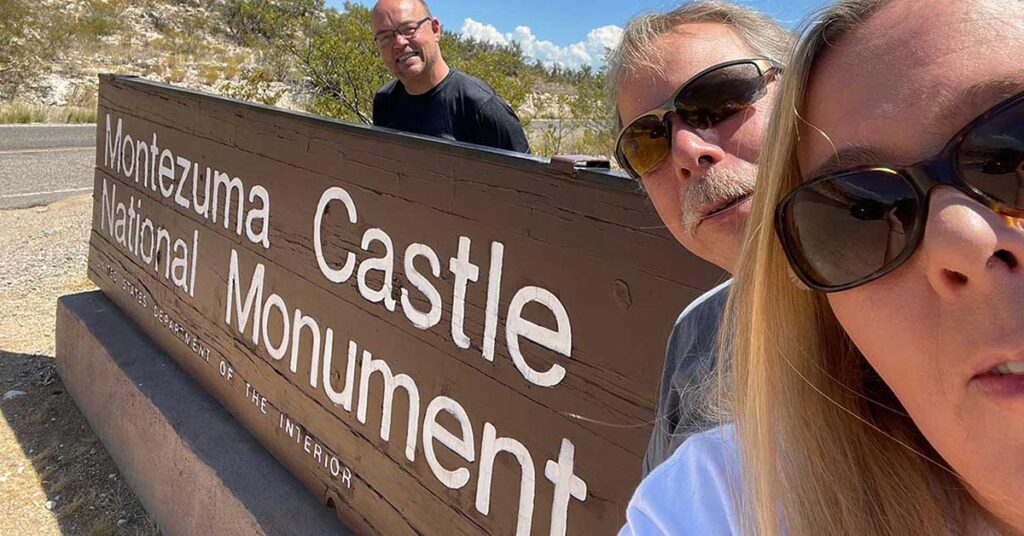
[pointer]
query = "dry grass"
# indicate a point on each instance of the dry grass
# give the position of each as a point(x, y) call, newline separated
point(20, 112)
point(102, 526)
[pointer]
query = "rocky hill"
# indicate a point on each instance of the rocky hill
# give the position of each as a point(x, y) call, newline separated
point(179, 42)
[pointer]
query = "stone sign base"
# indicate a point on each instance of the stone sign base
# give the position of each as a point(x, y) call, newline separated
point(193, 467)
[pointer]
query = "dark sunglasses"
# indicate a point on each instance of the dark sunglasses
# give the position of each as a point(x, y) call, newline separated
point(846, 228)
point(708, 98)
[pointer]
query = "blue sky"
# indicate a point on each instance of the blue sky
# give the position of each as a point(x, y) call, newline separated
point(569, 32)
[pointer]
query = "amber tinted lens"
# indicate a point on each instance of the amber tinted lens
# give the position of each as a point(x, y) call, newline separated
point(644, 143)
point(849, 227)
point(720, 94)
point(991, 156)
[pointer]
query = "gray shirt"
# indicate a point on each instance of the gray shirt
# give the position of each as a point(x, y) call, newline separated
point(691, 356)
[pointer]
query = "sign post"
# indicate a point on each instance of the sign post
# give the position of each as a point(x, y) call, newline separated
point(435, 338)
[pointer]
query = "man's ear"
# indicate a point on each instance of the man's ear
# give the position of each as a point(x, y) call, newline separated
point(435, 26)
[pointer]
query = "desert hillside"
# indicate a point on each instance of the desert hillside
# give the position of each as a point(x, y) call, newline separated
point(294, 54)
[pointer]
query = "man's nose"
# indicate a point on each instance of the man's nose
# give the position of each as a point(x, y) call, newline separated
point(693, 151)
point(968, 247)
point(399, 41)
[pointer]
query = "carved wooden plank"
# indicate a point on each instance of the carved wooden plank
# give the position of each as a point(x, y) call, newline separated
point(495, 341)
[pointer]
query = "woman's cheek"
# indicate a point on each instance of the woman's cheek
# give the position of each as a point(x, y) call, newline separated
point(886, 326)
point(897, 324)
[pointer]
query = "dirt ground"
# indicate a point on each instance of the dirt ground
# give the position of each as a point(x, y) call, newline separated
point(55, 476)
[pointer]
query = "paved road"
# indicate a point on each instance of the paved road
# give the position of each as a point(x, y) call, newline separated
point(40, 164)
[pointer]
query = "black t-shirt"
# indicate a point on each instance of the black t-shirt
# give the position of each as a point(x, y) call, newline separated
point(461, 107)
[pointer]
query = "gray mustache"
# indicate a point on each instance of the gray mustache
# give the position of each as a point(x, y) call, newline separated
point(717, 185)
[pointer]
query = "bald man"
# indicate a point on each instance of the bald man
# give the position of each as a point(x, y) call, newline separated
point(428, 97)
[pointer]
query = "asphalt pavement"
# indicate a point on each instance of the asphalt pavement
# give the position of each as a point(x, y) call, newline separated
point(40, 164)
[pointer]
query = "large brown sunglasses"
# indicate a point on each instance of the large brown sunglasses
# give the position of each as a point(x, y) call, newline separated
point(708, 98)
point(846, 228)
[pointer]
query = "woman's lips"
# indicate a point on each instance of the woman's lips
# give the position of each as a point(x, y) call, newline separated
point(1004, 378)
point(1008, 385)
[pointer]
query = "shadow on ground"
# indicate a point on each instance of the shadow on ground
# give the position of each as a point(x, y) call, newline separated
point(80, 485)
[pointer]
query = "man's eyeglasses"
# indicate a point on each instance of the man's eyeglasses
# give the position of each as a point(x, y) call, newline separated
point(406, 30)
point(710, 97)
point(846, 228)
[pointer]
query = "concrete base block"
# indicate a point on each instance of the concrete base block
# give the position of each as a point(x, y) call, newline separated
point(193, 467)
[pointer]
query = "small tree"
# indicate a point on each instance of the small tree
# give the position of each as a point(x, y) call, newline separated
point(23, 36)
point(335, 55)
point(333, 52)
point(342, 66)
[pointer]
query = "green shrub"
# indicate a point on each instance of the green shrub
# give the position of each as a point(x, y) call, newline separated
point(256, 87)
point(23, 36)
point(101, 18)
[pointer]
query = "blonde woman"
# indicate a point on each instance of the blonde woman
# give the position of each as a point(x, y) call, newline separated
point(875, 383)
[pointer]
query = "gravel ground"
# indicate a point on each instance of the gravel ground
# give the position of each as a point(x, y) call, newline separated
point(55, 476)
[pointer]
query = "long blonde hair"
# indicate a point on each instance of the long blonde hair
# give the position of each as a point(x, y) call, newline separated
point(826, 447)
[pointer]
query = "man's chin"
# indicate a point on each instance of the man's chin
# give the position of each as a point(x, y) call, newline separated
point(410, 68)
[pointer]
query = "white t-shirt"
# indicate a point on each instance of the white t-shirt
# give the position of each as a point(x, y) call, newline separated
point(693, 493)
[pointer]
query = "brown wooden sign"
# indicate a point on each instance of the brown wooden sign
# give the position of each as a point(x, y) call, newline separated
point(435, 338)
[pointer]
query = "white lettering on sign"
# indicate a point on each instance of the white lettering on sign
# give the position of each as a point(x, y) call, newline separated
point(252, 300)
point(489, 449)
point(303, 321)
point(155, 166)
point(464, 272)
point(560, 472)
point(391, 383)
point(418, 318)
point(126, 226)
point(385, 264)
point(344, 397)
point(316, 450)
point(566, 483)
point(182, 333)
point(558, 340)
point(333, 275)
point(461, 444)
point(277, 330)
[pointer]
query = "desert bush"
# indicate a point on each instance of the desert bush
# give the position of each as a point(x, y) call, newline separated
point(257, 22)
point(24, 35)
point(233, 66)
point(184, 43)
point(100, 19)
point(332, 52)
point(340, 65)
point(257, 86)
point(211, 74)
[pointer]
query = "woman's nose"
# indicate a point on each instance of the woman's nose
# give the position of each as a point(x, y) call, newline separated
point(968, 246)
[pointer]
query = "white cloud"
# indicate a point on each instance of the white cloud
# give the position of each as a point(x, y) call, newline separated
point(590, 52)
